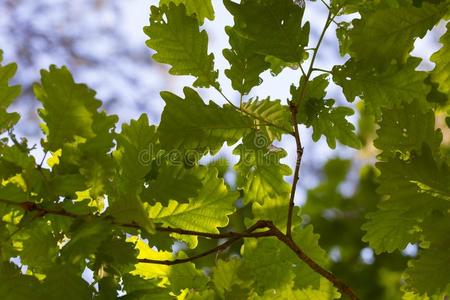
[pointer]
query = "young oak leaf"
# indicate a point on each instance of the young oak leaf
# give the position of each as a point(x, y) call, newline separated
point(68, 108)
point(205, 212)
point(136, 138)
point(190, 124)
point(177, 40)
point(387, 34)
point(260, 174)
point(268, 114)
point(390, 88)
point(7, 95)
point(441, 73)
point(415, 187)
point(202, 9)
point(266, 259)
point(271, 28)
point(325, 119)
point(405, 129)
point(245, 64)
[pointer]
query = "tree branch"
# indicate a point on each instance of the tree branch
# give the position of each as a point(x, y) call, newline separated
point(188, 259)
point(299, 147)
point(31, 206)
point(294, 110)
point(247, 233)
point(233, 237)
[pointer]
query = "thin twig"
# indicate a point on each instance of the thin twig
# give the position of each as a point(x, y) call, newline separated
point(188, 259)
point(322, 70)
point(226, 98)
point(213, 235)
point(303, 71)
point(42, 161)
point(247, 233)
point(293, 108)
point(298, 161)
point(326, 4)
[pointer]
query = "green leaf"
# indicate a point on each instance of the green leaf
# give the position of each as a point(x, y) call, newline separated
point(184, 276)
point(150, 271)
point(203, 9)
point(246, 64)
point(190, 124)
point(177, 40)
point(264, 260)
point(390, 229)
point(269, 111)
point(396, 85)
point(273, 209)
point(441, 73)
point(325, 119)
point(405, 129)
point(60, 280)
point(226, 274)
point(383, 35)
point(430, 273)
point(136, 148)
point(271, 27)
point(85, 239)
point(40, 248)
point(117, 252)
point(415, 187)
point(68, 108)
point(206, 212)
point(179, 276)
point(7, 95)
point(16, 286)
point(324, 292)
point(11, 190)
point(138, 288)
point(187, 183)
point(260, 174)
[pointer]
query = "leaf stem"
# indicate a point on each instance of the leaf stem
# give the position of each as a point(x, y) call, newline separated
point(326, 4)
point(303, 71)
point(43, 160)
point(322, 70)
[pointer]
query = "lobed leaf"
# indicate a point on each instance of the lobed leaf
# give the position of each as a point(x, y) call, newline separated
point(190, 124)
point(177, 40)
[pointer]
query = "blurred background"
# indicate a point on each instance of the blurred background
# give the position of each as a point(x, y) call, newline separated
point(103, 44)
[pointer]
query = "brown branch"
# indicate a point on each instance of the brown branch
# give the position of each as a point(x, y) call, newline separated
point(247, 233)
point(188, 259)
point(230, 234)
point(31, 206)
point(294, 109)
point(299, 147)
point(233, 237)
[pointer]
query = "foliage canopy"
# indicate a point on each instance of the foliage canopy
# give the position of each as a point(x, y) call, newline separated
point(139, 207)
